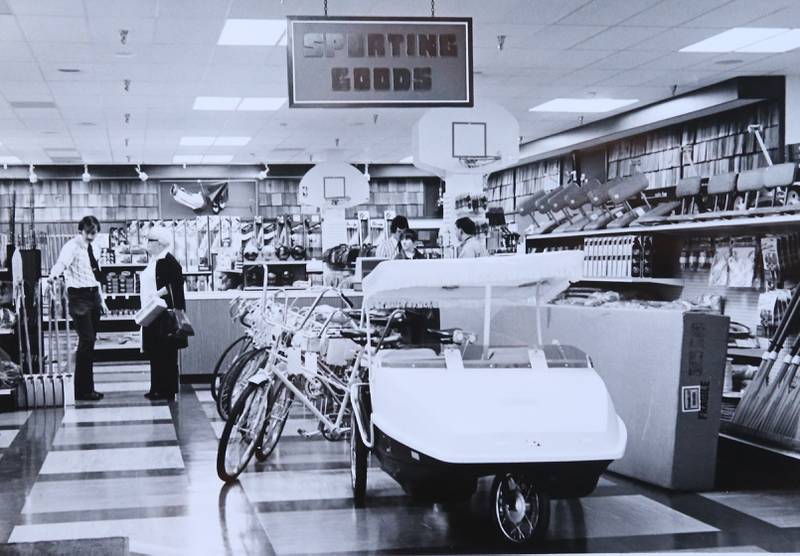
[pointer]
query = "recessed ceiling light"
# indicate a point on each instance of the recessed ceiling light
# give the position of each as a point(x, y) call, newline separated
point(736, 40)
point(253, 32)
point(728, 62)
point(51, 133)
point(195, 141)
point(232, 141)
point(10, 160)
point(261, 104)
point(69, 70)
point(124, 54)
point(583, 104)
point(87, 124)
point(187, 159)
point(216, 103)
point(217, 158)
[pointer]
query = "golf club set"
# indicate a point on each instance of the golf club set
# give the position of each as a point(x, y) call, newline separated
point(47, 381)
point(770, 405)
point(588, 204)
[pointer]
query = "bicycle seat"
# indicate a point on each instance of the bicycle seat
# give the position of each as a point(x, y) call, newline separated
point(354, 314)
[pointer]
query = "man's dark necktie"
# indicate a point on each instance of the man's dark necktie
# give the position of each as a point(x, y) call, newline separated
point(93, 263)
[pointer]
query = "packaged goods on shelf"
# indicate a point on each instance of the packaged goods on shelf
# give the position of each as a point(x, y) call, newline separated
point(618, 257)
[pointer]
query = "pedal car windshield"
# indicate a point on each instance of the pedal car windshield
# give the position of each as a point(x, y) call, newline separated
point(472, 294)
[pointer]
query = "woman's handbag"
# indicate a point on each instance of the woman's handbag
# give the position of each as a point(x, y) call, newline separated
point(150, 311)
point(176, 325)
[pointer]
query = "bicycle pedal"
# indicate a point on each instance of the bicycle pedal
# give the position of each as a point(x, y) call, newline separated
point(305, 434)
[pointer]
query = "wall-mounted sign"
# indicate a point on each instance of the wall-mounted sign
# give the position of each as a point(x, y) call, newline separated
point(340, 62)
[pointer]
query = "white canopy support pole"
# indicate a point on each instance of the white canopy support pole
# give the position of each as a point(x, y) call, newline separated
point(487, 320)
point(538, 315)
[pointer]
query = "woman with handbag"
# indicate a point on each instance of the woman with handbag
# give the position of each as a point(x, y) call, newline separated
point(163, 277)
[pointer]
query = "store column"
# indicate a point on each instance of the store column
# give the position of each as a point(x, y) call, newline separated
point(792, 119)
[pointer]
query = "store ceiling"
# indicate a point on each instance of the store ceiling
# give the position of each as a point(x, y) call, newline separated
point(554, 48)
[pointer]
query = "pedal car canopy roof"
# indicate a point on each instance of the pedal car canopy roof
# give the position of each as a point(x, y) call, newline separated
point(429, 283)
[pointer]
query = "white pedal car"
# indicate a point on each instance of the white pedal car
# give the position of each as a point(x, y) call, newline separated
point(538, 418)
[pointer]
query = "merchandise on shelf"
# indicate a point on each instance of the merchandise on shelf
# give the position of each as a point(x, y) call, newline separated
point(618, 257)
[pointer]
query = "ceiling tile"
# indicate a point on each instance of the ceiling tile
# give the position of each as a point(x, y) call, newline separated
point(121, 8)
point(786, 17)
point(607, 12)
point(674, 12)
point(9, 30)
point(626, 60)
point(15, 52)
point(54, 29)
point(79, 53)
point(679, 60)
point(543, 12)
point(188, 31)
point(617, 38)
point(673, 39)
point(20, 71)
point(737, 13)
point(47, 7)
point(557, 37)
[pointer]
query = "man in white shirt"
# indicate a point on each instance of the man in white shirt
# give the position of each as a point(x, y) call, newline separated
point(470, 246)
point(389, 248)
point(78, 265)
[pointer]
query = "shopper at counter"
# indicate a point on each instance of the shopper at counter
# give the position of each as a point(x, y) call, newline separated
point(469, 245)
point(389, 248)
point(78, 265)
point(163, 277)
point(408, 246)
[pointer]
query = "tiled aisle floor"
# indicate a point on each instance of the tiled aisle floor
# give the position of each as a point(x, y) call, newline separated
point(128, 467)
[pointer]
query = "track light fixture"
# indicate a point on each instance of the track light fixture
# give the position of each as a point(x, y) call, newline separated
point(86, 176)
point(142, 175)
point(32, 177)
point(366, 171)
point(262, 175)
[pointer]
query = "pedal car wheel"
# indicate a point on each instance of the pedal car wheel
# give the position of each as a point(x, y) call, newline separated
point(522, 514)
point(358, 463)
point(277, 415)
point(239, 437)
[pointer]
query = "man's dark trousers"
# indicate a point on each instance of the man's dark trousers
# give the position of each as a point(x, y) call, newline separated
point(84, 308)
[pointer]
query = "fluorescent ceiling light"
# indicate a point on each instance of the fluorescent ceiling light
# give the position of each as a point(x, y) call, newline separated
point(253, 32)
point(736, 39)
point(583, 104)
point(187, 159)
point(783, 42)
point(197, 141)
point(261, 104)
point(10, 160)
point(217, 158)
point(232, 141)
point(216, 103)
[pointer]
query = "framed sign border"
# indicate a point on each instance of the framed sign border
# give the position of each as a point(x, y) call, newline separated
point(380, 104)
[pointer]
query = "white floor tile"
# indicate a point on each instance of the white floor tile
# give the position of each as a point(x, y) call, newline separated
point(112, 459)
point(109, 414)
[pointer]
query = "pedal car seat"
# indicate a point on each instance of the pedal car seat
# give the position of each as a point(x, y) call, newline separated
point(543, 207)
point(721, 185)
point(580, 199)
point(687, 188)
point(749, 181)
point(599, 197)
point(775, 177)
point(560, 203)
point(621, 194)
point(528, 206)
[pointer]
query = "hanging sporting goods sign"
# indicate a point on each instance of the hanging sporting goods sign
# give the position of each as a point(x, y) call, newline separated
point(340, 62)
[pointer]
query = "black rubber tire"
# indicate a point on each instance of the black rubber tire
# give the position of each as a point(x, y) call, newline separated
point(243, 403)
point(264, 451)
point(359, 461)
point(541, 524)
point(223, 365)
point(225, 398)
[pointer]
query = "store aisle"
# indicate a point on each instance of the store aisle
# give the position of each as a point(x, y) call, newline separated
point(129, 467)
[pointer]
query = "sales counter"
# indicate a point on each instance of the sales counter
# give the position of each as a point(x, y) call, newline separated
point(215, 330)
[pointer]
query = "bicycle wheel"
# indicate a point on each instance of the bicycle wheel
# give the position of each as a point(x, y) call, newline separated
point(277, 415)
point(236, 378)
point(239, 437)
point(226, 361)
